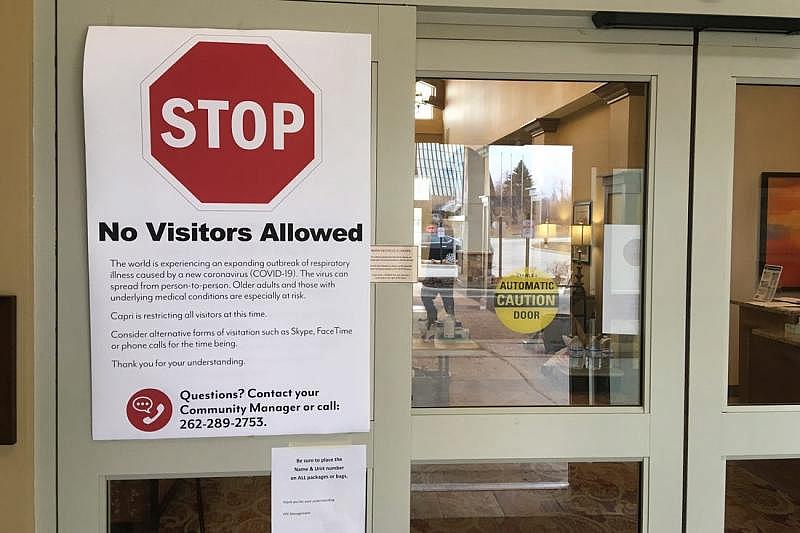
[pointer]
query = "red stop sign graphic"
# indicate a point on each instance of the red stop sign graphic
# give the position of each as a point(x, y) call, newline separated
point(231, 123)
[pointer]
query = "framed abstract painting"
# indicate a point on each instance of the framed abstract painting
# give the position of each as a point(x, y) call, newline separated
point(780, 225)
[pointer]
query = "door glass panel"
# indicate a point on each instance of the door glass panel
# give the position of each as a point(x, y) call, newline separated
point(511, 497)
point(528, 213)
point(240, 504)
point(762, 495)
point(765, 247)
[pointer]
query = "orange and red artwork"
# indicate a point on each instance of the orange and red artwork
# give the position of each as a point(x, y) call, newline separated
point(780, 225)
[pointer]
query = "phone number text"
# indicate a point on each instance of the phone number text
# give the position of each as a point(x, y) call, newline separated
point(222, 423)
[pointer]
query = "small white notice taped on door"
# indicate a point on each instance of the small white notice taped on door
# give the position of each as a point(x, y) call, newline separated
point(319, 490)
point(393, 264)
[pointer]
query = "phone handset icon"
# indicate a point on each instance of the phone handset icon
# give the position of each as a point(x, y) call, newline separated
point(159, 411)
point(149, 410)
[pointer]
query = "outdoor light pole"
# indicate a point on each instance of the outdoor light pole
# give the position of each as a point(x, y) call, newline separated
point(529, 230)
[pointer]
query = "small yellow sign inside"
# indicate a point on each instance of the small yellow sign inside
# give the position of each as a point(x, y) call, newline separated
point(527, 301)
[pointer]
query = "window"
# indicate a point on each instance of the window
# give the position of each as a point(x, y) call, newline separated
point(530, 245)
point(189, 504)
point(765, 248)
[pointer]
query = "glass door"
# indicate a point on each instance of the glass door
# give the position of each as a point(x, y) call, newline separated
point(550, 193)
point(744, 432)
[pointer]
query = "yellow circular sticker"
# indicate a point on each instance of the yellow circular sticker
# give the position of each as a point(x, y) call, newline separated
point(527, 301)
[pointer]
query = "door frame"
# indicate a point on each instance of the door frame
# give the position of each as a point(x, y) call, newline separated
point(44, 222)
point(652, 433)
point(718, 431)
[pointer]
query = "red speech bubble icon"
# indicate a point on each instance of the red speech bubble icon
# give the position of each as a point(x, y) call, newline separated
point(149, 410)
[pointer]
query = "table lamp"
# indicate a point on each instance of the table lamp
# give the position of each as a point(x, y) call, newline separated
point(545, 231)
point(581, 240)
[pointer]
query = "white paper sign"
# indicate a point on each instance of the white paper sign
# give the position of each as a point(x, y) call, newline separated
point(319, 490)
point(393, 264)
point(622, 254)
point(228, 180)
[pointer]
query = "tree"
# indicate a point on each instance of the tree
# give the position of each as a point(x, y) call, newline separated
point(516, 200)
point(559, 207)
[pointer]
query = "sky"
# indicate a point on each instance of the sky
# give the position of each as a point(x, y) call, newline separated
point(551, 166)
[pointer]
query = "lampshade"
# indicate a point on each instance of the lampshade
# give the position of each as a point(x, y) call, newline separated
point(546, 230)
point(581, 234)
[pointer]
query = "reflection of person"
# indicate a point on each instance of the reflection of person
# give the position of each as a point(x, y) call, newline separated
point(442, 249)
point(431, 287)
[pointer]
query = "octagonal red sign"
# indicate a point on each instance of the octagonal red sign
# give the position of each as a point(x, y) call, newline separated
point(231, 123)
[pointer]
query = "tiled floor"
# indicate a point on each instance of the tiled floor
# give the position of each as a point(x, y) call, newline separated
point(762, 496)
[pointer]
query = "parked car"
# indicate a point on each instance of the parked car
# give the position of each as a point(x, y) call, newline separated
point(437, 248)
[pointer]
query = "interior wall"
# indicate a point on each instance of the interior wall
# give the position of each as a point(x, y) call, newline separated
point(603, 137)
point(430, 130)
point(588, 132)
point(478, 112)
point(767, 129)
point(16, 254)
point(768, 125)
point(627, 132)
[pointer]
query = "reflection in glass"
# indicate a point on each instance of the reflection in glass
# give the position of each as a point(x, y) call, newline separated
point(511, 497)
point(762, 495)
point(530, 244)
point(196, 504)
point(765, 248)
